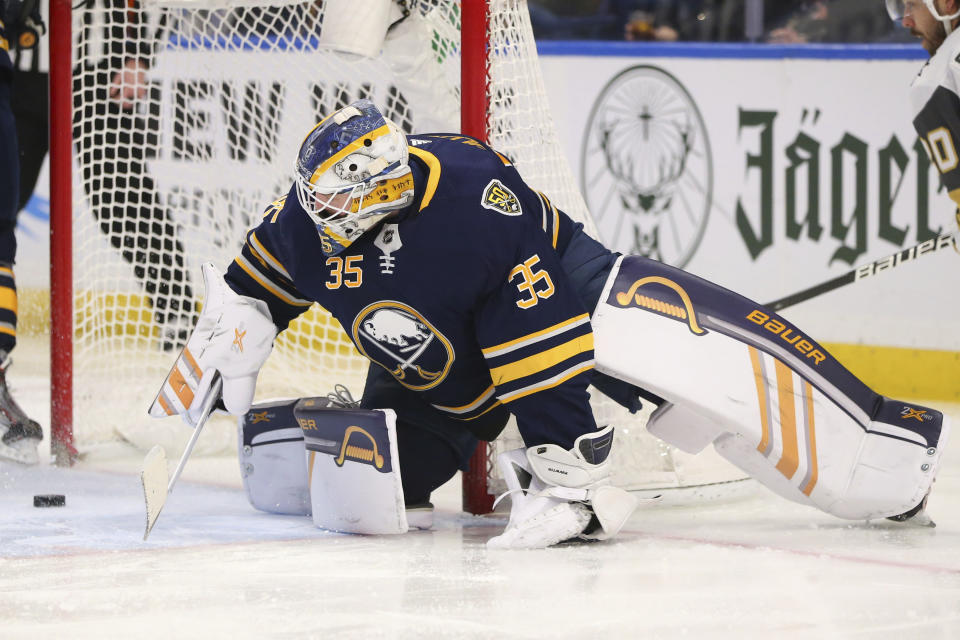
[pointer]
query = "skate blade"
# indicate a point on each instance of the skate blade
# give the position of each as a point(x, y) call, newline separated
point(22, 452)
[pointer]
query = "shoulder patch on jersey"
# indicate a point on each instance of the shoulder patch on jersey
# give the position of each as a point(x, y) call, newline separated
point(497, 197)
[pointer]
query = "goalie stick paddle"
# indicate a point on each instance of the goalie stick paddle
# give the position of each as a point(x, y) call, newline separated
point(870, 269)
point(154, 473)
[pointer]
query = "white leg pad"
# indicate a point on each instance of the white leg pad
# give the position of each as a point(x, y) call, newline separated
point(682, 427)
point(773, 401)
point(299, 457)
point(272, 464)
point(353, 467)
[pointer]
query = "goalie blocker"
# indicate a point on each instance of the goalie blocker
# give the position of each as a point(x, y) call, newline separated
point(771, 400)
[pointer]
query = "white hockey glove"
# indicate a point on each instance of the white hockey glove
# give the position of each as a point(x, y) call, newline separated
point(234, 335)
point(558, 494)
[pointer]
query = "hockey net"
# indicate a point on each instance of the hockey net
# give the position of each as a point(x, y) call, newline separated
point(220, 104)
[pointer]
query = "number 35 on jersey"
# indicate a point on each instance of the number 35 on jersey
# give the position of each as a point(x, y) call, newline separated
point(534, 284)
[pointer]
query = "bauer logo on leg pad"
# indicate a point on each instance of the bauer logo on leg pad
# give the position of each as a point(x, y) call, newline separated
point(788, 334)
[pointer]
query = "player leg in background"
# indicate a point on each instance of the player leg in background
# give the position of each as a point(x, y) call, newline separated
point(19, 435)
point(111, 143)
point(431, 446)
point(31, 112)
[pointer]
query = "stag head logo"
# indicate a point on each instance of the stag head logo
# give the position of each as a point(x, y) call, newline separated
point(646, 168)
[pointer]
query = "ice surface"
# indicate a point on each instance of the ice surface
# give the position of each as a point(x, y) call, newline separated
point(753, 567)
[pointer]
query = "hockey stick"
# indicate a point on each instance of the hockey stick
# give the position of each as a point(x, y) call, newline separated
point(865, 271)
point(154, 474)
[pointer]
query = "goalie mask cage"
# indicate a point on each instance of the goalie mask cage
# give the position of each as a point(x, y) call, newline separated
point(221, 94)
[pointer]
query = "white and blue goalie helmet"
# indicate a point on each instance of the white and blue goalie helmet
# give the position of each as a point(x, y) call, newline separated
point(352, 171)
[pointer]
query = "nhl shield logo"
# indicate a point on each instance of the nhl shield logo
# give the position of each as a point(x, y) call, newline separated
point(402, 341)
point(497, 197)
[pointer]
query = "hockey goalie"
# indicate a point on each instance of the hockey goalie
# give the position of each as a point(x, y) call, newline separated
point(493, 302)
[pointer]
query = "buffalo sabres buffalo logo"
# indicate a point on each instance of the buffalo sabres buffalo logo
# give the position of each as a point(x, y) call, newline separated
point(497, 197)
point(403, 342)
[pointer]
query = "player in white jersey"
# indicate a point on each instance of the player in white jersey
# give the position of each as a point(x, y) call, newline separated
point(935, 94)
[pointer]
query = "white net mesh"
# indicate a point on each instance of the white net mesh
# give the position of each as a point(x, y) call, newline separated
point(187, 119)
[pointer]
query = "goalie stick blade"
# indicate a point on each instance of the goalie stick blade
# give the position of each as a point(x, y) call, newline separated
point(154, 480)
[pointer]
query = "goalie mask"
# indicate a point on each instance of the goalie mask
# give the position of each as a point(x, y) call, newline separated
point(898, 9)
point(352, 171)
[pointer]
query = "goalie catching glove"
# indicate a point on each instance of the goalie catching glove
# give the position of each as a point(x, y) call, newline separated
point(558, 494)
point(234, 335)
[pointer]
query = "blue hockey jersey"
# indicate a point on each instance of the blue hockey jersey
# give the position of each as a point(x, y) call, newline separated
point(5, 65)
point(460, 296)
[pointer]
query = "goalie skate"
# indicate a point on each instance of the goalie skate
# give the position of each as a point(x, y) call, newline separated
point(917, 516)
point(19, 435)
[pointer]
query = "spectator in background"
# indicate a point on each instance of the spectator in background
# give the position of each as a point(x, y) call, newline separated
point(784, 21)
point(725, 20)
point(831, 21)
point(658, 20)
point(575, 20)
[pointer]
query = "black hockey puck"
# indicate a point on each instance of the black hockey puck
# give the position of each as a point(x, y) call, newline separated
point(49, 500)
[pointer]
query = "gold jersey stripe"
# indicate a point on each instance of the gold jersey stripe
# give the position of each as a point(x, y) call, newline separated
point(10, 331)
point(260, 251)
point(555, 381)
point(541, 361)
point(264, 282)
point(555, 218)
point(433, 178)
point(6, 271)
point(536, 336)
point(556, 225)
point(543, 211)
point(483, 397)
point(8, 298)
point(484, 412)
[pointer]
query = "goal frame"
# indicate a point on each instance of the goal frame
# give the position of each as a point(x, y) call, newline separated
point(62, 444)
point(474, 115)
